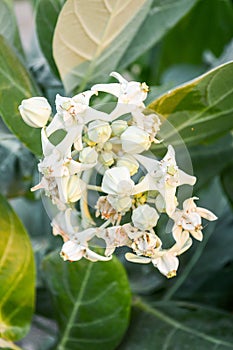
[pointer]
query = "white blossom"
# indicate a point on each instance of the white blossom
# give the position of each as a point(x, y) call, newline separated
point(127, 92)
point(189, 219)
point(110, 149)
point(165, 260)
point(120, 188)
point(164, 176)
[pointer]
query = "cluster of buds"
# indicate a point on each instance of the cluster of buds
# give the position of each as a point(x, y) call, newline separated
point(132, 191)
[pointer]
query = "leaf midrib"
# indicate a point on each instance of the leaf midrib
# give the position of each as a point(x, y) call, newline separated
point(77, 304)
point(177, 325)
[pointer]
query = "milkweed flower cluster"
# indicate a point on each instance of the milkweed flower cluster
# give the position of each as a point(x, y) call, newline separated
point(133, 189)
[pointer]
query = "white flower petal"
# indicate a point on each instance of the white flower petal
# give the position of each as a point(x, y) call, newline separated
point(170, 199)
point(112, 88)
point(185, 179)
point(197, 234)
point(206, 214)
point(72, 251)
point(137, 259)
point(167, 264)
point(92, 256)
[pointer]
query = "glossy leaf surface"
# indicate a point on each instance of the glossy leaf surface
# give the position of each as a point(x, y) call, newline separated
point(92, 302)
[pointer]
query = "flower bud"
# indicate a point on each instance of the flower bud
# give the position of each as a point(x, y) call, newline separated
point(135, 140)
point(106, 158)
point(88, 155)
point(129, 162)
point(35, 111)
point(99, 131)
point(118, 127)
point(145, 217)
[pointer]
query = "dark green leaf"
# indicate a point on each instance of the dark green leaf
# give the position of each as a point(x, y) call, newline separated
point(208, 26)
point(214, 157)
point(178, 326)
point(227, 181)
point(17, 166)
point(163, 15)
point(47, 12)
point(92, 301)
point(16, 85)
point(17, 278)
point(199, 110)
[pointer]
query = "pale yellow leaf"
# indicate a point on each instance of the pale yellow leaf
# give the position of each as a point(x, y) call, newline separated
point(86, 28)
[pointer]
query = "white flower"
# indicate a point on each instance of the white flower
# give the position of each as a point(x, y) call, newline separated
point(99, 131)
point(165, 260)
point(74, 113)
point(35, 111)
point(129, 162)
point(114, 237)
point(77, 248)
point(73, 251)
point(120, 188)
point(189, 219)
point(145, 243)
point(145, 217)
point(135, 140)
point(165, 176)
point(58, 161)
point(127, 92)
point(118, 127)
point(117, 181)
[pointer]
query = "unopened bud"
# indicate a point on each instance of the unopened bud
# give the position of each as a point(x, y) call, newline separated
point(35, 111)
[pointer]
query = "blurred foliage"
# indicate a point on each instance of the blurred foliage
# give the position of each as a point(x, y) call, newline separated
point(165, 43)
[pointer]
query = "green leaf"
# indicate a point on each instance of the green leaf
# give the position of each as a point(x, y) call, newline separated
point(214, 157)
point(47, 12)
point(171, 326)
point(208, 27)
point(16, 85)
point(227, 182)
point(103, 31)
point(17, 166)
point(92, 302)
point(8, 26)
point(17, 278)
point(164, 15)
point(198, 110)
